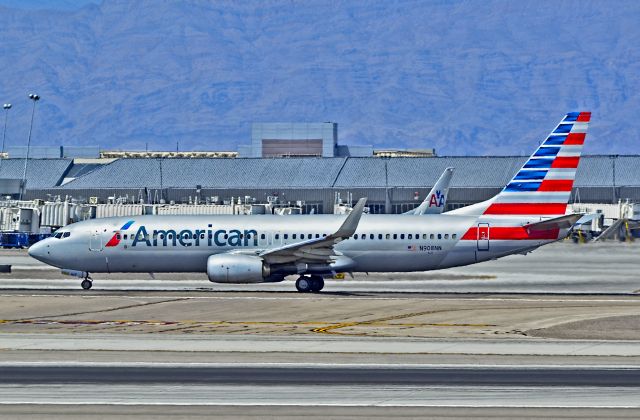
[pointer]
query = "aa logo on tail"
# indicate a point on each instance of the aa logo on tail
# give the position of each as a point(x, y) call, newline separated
point(437, 199)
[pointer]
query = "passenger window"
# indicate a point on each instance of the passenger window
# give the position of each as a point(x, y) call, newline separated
point(293, 236)
point(324, 234)
point(125, 236)
point(402, 236)
point(202, 236)
point(226, 236)
point(117, 235)
point(317, 235)
point(66, 234)
point(388, 236)
point(286, 236)
point(439, 236)
point(446, 236)
point(379, 235)
point(431, 236)
point(363, 236)
point(302, 236)
point(424, 236)
point(395, 236)
point(248, 236)
point(409, 236)
point(355, 236)
point(277, 236)
point(371, 236)
point(454, 236)
point(262, 236)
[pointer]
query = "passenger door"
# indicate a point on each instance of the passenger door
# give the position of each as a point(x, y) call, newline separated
point(483, 236)
point(95, 241)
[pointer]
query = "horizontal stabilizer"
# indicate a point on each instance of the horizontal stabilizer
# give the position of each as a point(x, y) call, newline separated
point(562, 222)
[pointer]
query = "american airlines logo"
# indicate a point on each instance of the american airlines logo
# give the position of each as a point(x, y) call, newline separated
point(115, 239)
point(195, 237)
point(437, 199)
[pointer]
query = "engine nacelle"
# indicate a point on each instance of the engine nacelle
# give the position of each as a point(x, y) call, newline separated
point(237, 268)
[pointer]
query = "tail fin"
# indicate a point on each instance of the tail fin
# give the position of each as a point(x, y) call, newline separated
point(542, 187)
point(436, 200)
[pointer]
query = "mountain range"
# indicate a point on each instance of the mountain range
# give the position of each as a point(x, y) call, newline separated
point(465, 77)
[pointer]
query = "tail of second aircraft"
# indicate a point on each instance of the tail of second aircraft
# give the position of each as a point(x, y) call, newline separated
point(542, 187)
point(436, 200)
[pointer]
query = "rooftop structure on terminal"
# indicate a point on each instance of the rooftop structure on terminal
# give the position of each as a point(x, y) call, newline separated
point(148, 154)
point(270, 140)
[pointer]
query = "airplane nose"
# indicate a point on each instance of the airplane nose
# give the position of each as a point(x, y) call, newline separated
point(37, 250)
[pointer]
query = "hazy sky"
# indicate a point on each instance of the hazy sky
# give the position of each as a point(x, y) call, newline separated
point(47, 4)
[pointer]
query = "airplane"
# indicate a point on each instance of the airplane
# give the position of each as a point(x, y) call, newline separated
point(436, 200)
point(529, 212)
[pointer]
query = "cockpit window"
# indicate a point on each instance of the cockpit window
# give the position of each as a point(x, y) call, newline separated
point(66, 234)
point(58, 235)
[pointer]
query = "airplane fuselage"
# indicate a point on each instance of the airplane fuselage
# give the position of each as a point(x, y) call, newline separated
point(381, 243)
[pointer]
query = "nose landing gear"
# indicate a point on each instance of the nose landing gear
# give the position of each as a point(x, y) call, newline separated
point(87, 283)
point(306, 284)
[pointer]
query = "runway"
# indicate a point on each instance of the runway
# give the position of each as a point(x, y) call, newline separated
point(329, 386)
point(305, 375)
point(544, 335)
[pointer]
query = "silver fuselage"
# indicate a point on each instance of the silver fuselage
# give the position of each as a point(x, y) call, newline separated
point(385, 243)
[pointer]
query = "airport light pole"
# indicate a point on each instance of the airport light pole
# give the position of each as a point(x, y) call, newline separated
point(35, 98)
point(6, 107)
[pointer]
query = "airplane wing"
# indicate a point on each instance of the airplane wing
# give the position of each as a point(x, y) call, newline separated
point(436, 200)
point(318, 250)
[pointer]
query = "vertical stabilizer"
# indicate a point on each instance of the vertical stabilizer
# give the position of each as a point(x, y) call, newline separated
point(542, 187)
point(436, 201)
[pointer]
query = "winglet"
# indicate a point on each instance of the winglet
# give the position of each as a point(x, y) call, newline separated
point(350, 224)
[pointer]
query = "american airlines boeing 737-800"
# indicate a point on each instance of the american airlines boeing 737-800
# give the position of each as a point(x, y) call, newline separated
point(529, 212)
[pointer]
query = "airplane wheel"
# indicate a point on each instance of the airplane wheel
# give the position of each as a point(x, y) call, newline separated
point(317, 283)
point(86, 284)
point(303, 284)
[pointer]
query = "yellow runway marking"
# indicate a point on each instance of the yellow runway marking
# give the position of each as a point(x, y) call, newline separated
point(192, 323)
point(332, 329)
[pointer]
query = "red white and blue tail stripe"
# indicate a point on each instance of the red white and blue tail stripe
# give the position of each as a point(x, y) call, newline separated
point(542, 187)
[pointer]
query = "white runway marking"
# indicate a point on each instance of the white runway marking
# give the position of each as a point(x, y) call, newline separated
point(329, 396)
point(283, 344)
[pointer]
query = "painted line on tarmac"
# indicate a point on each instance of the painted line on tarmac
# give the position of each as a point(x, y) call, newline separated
point(338, 365)
point(188, 322)
point(627, 298)
point(293, 403)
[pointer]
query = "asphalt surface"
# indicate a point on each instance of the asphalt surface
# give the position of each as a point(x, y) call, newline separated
point(260, 412)
point(563, 267)
point(335, 376)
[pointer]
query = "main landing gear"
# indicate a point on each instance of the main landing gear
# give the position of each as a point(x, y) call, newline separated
point(87, 282)
point(306, 284)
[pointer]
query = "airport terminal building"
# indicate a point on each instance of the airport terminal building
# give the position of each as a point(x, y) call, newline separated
point(289, 162)
point(393, 185)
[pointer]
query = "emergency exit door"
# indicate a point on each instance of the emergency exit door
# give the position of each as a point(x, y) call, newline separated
point(483, 236)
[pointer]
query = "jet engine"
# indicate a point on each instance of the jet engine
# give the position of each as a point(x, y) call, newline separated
point(237, 268)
